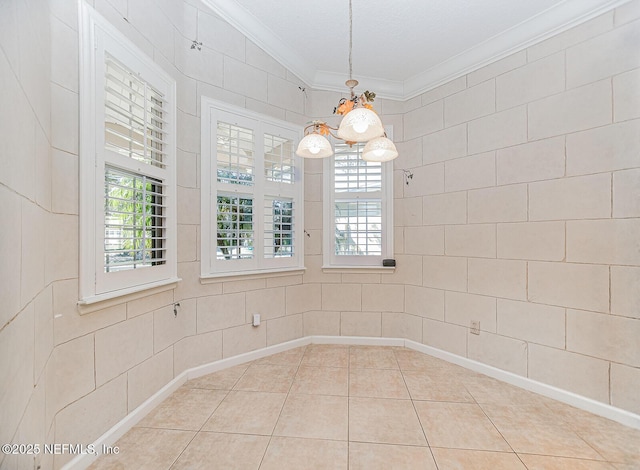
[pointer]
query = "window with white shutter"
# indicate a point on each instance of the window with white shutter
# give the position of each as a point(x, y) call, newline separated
point(127, 166)
point(252, 215)
point(358, 209)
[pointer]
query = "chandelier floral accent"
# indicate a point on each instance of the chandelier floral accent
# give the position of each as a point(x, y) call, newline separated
point(360, 123)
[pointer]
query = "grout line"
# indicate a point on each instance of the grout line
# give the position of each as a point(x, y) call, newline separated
point(199, 430)
point(496, 428)
point(610, 303)
point(565, 329)
point(526, 281)
point(424, 433)
point(564, 155)
point(611, 197)
point(613, 103)
point(283, 404)
point(528, 204)
point(609, 384)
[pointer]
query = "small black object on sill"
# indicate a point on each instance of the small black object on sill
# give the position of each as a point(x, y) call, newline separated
point(389, 262)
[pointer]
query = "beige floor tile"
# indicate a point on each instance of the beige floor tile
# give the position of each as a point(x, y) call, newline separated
point(544, 462)
point(291, 453)
point(616, 443)
point(365, 456)
point(425, 386)
point(291, 357)
point(491, 391)
point(384, 421)
point(146, 449)
point(575, 418)
point(372, 357)
point(460, 459)
point(186, 409)
point(377, 383)
point(247, 413)
point(222, 380)
point(266, 378)
point(522, 416)
point(459, 425)
point(580, 420)
point(548, 440)
point(313, 416)
point(321, 381)
point(408, 359)
point(297, 400)
point(326, 355)
point(217, 451)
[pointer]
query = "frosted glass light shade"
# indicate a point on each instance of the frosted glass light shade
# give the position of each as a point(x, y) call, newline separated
point(314, 146)
point(360, 125)
point(380, 149)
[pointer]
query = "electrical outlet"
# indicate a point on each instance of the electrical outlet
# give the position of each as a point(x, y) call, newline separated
point(256, 319)
point(475, 327)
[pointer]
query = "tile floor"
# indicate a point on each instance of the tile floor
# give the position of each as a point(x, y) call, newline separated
point(362, 407)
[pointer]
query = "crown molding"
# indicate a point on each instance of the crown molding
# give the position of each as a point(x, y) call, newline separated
point(263, 37)
point(546, 24)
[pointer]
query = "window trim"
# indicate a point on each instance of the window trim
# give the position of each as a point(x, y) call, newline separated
point(354, 264)
point(210, 188)
point(96, 37)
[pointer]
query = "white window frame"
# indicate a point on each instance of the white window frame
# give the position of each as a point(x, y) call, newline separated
point(98, 38)
point(214, 111)
point(365, 262)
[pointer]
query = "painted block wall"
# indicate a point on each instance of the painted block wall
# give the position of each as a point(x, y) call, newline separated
point(522, 207)
point(523, 212)
point(71, 377)
point(30, 211)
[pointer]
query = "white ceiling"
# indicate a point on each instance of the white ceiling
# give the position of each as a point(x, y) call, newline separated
point(401, 48)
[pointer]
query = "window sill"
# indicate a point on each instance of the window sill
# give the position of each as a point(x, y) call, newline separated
point(100, 301)
point(248, 275)
point(359, 269)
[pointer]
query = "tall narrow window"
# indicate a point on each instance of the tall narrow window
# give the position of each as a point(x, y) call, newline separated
point(127, 164)
point(251, 193)
point(358, 203)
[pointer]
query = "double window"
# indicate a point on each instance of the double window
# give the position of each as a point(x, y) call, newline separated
point(252, 215)
point(127, 165)
point(358, 209)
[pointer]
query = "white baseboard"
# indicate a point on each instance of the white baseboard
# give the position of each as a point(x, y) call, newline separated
point(216, 366)
point(109, 438)
point(584, 403)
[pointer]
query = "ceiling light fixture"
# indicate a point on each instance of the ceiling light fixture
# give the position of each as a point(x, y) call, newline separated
point(359, 124)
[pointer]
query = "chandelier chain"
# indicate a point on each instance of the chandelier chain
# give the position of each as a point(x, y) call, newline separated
point(350, 39)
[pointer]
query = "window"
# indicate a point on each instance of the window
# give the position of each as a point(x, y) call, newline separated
point(127, 166)
point(358, 209)
point(252, 213)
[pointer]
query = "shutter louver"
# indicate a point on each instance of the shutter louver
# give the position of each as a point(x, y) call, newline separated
point(135, 225)
point(358, 203)
point(134, 117)
point(279, 220)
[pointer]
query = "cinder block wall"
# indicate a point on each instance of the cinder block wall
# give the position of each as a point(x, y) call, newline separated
point(523, 212)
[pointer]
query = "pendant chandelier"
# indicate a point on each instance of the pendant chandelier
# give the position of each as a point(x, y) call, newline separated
point(360, 123)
